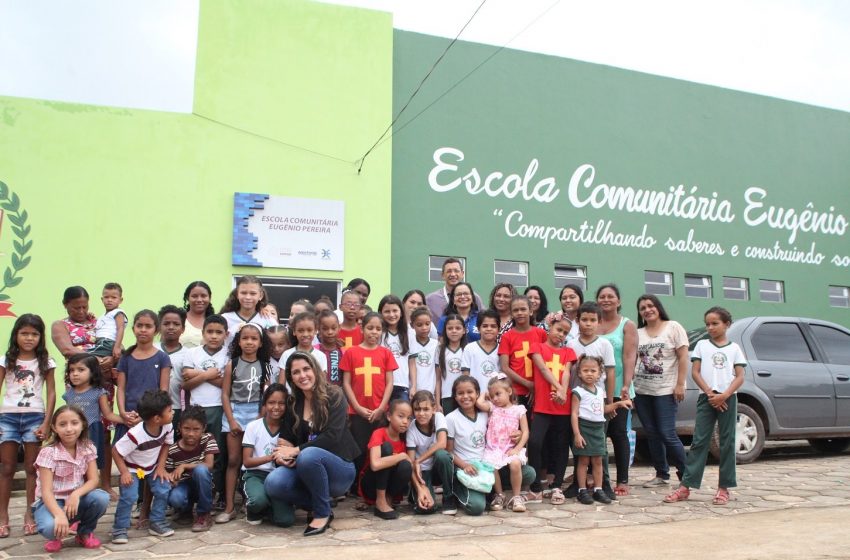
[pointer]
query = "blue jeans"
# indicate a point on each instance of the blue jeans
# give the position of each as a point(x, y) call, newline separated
point(197, 489)
point(317, 475)
point(92, 507)
point(130, 494)
point(658, 418)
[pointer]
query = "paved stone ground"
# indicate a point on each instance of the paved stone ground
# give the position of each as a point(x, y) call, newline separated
point(790, 480)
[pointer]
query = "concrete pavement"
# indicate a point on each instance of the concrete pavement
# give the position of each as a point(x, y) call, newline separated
point(785, 507)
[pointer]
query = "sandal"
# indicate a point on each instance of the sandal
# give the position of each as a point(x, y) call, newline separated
point(30, 529)
point(557, 497)
point(621, 489)
point(4, 531)
point(721, 498)
point(680, 494)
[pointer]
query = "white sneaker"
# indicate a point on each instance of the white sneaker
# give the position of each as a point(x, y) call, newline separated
point(656, 482)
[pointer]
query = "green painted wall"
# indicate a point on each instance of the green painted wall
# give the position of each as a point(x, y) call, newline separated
point(636, 130)
point(146, 198)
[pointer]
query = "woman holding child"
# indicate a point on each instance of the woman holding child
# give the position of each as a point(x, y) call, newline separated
point(316, 450)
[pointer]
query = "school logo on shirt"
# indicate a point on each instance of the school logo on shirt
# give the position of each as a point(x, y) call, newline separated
point(208, 363)
point(488, 369)
point(12, 213)
point(719, 360)
point(423, 359)
point(395, 348)
point(477, 439)
point(453, 365)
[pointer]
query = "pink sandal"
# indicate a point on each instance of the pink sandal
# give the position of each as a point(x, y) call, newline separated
point(4, 530)
point(721, 498)
point(680, 494)
point(30, 529)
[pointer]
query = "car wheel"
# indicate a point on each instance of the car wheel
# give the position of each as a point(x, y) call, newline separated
point(749, 436)
point(830, 445)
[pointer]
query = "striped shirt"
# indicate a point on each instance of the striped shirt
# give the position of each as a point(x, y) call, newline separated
point(140, 450)
point(69, 473)
point(178, 456)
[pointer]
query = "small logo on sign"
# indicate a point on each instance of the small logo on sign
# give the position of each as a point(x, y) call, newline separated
point(326, 254)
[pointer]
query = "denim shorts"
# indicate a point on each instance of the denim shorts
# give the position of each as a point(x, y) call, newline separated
point(20, 426)
point(242, 413)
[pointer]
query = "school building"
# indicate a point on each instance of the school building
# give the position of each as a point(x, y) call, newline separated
point(533, 169)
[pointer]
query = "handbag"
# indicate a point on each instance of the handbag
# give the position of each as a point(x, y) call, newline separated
point(482, 481)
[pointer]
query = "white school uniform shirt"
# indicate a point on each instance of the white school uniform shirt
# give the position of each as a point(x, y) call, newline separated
point(401, 376)
point(234, 320)
point(467, 433)
point(480, 364)
point(454, 365)
point(107, 324)
point(426, 364)
point(415, 439)
point(718, 363)
point(598, 347)
point(318, 354)
point(206, 394)
point(591, 405)
point(263, 443)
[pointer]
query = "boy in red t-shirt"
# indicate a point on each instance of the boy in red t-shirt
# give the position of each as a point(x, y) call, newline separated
point(350, 332)
point(550, 422)
point(515, 349)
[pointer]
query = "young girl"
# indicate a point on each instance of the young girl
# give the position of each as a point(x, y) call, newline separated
point(25, 414)
point(367, 380)
point(84, 380)
point(387, 470)
point(142, 367)
point(414, 299)
point(480, 358)
point(350, 332)
point(423, 350)
point(302, 334)
point(245, 378)
point(423, 440)
point(245, 304)
point(450, 360)
point(270, 311)
point(465, 429)
point(279, 340)
point(515, 349)
point(330, 345)
point(588, 423)
point(258, 445)
point(551, 432)
point(324, 303)
point(396, 338)
point(67, 486)
point(718, 381)
point(571, 298)
point(506, 417)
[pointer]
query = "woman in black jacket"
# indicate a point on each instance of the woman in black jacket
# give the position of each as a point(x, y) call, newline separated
point(316, 450)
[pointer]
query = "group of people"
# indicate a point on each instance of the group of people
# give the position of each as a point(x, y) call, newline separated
point(427, 394)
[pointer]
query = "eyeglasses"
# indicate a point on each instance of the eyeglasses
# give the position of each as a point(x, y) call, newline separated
point(351, 305)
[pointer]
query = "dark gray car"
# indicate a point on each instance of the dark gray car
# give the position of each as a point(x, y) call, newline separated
point(796, 386)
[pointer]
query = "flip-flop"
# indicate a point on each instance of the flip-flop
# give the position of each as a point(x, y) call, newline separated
point(4, 531)
point(30, 529)
point(622, 490)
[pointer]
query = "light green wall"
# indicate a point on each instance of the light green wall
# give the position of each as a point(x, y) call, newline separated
point(636, 130)
point(145, 198)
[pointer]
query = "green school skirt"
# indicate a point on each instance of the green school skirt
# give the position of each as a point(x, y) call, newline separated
point(594, 438)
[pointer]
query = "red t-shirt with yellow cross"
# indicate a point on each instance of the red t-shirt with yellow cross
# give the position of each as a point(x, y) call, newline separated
point(517, 346)
point(558, 361)
point(368, 369)
point(350, 337)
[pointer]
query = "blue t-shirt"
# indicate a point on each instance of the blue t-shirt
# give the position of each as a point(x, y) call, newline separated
point(471, 327)
point(141, 375)
point(88, 401)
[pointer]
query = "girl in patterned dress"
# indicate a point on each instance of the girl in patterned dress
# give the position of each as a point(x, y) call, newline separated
point(506, 417)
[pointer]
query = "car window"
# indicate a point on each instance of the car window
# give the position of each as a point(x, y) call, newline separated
point(835, 343)
point(695, 336)
point(781, 342)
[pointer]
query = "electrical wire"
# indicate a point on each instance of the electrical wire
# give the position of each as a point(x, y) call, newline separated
point(362, 160)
